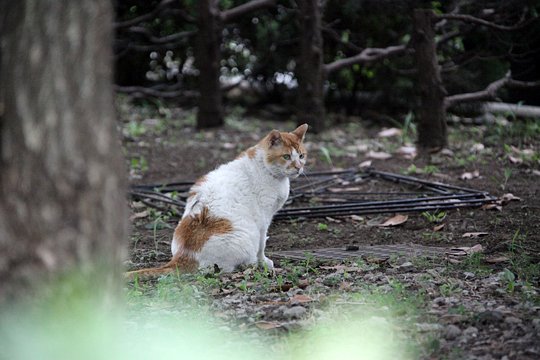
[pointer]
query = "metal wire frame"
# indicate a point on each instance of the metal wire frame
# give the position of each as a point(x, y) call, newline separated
point(318, 186)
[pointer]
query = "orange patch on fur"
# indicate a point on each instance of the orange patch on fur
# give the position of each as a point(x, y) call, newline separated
point(194, 231)
point(251, 152)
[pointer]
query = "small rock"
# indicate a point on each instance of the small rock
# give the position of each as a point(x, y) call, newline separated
point(489, 317)
point(439, 301)
point(406, 265)
point(471, 331)
point(294, 312)
point(451, 332)
point(512, 320)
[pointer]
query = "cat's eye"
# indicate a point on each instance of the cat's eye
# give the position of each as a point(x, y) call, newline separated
point(301, 156)
point(287, 157)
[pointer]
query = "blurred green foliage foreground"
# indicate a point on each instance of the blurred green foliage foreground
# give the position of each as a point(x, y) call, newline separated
point(67, 322)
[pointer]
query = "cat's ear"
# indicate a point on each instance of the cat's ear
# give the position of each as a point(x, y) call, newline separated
point(300, 131)
point(274, 138)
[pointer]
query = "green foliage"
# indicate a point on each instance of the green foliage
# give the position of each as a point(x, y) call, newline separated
point(434, 217)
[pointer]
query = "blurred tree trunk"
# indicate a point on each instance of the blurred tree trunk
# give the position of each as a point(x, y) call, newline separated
point(431, 115)
point(311, 74)
point(207, 59)
point(61, 183)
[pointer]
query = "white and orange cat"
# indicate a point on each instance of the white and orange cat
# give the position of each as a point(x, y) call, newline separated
point(229, 210)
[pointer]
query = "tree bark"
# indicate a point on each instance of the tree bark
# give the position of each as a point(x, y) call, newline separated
point(210, 113)
point(431, 114)
point(311, 74)
point(62, 189)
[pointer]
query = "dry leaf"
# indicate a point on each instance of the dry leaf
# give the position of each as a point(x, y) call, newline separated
point(394, 221)
point(365, 164)
point(447, 152)
point(378, 155)
point(474, 234)
point(465, 250)
point(515, 160)
point(267, 325)
point(228, 145)
point(470, 175)
point(438, 227)
point(536, 172)
point(477, 147)
point(408, 152)
point(389, 132)
point(356, 218)
point(139, 215)
point(506, 198)
point(492, 206)
point(497, 259)
point(300, 298)
point(376, 260)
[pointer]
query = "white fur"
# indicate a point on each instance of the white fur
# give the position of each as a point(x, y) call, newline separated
point(247, 192)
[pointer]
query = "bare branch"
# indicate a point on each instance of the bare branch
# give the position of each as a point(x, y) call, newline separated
point(137, 20)
point(367, 55)
point(468, 18)
point(231, 14)
point(166, 91)
point(490, 92)
point(163, 39)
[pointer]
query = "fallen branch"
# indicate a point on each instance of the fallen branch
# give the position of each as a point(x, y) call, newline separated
point(471, 19)
point(367, 55)
point(490, 92)
point(141, 91)
point(516, 109)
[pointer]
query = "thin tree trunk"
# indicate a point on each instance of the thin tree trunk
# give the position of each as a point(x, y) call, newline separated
point(310, 72)
point(62, 187)
point(431, 115)
point(210, 113)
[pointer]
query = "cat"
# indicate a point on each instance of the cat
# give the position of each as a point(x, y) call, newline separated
point(229, 210)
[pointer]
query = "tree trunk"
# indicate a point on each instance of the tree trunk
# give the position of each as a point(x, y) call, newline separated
point(210, 113)
point(431, 115)
point(310, 66)
point(61, 185)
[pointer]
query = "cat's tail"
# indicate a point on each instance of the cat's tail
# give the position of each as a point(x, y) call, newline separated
point(180, 263)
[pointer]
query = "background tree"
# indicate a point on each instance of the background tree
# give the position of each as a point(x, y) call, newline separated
point(61, 183)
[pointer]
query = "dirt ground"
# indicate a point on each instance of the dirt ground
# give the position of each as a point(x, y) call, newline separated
point(162, 146)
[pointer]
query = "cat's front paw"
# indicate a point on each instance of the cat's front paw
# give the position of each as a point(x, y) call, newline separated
point(267, 264)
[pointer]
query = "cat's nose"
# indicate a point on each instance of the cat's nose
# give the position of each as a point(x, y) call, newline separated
point(297, 165)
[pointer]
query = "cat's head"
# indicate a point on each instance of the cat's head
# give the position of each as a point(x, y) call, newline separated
point(285, 154)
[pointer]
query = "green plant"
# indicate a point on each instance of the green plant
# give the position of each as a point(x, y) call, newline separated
point(507, 173)
point(325, 153)
point(135, 129)
point(509, 278)
point(435, 217)
point(139, 164)
point(322, 227)
point(408, 131)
